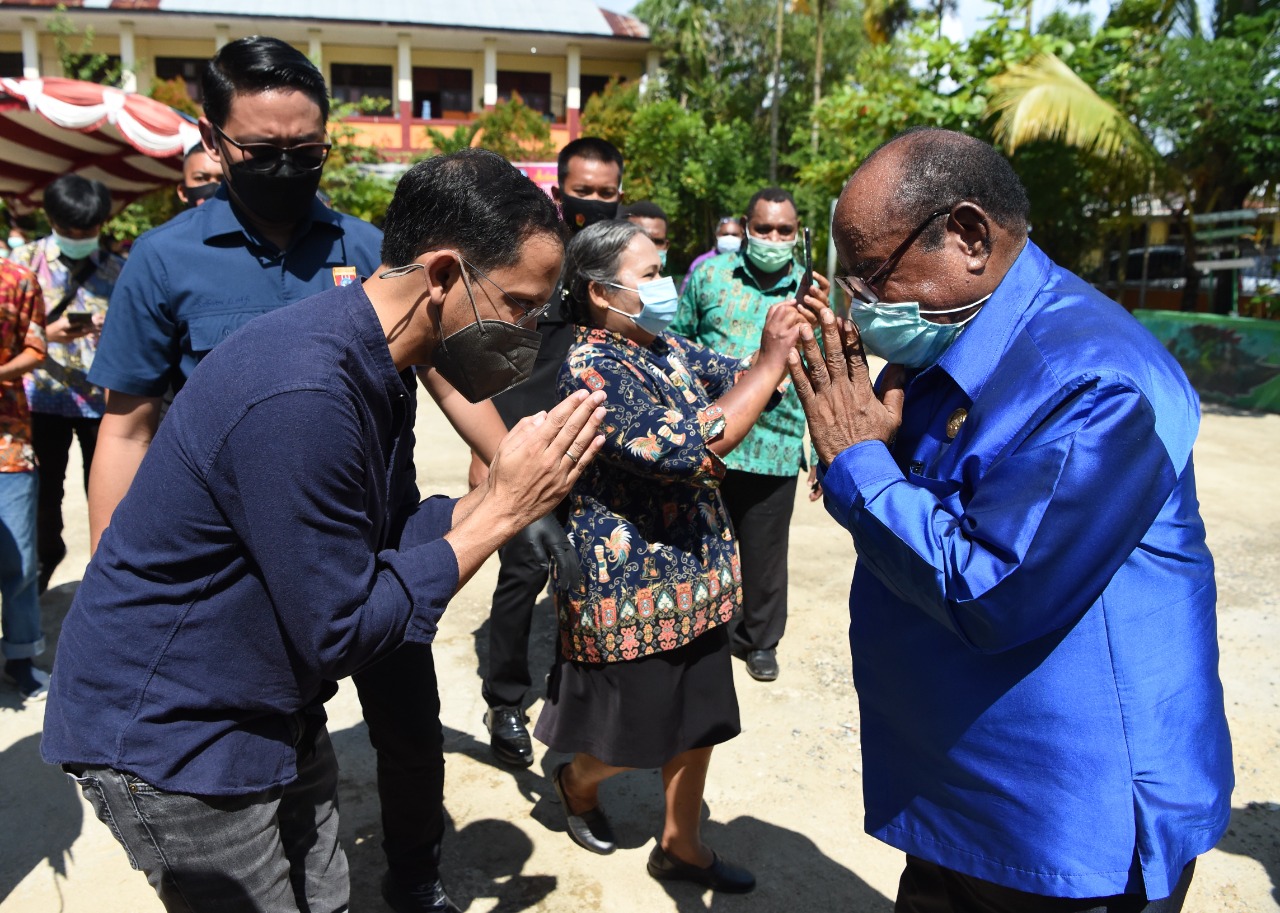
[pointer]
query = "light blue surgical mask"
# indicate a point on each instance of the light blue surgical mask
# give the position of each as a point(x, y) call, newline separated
point(658, 300)
point(728, 244)
point(75, 248)
point(898, 334)
point(662, 259)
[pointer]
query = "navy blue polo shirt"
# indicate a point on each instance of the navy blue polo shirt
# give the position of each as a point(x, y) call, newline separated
point(272, 541)
point(192, 282)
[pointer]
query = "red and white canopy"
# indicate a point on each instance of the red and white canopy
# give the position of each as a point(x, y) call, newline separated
point(50, 127)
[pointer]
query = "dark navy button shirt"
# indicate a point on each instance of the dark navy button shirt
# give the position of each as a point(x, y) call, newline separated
point(272, 541)
point(192, 282)
point(1033, 609)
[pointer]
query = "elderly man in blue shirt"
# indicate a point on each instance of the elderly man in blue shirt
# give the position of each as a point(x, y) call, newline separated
point(1033, 609)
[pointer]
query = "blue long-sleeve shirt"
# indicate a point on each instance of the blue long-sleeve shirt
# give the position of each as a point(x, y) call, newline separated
point(1033, 609)
point(272, 542)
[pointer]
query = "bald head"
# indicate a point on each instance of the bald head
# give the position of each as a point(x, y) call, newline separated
point(963, 196)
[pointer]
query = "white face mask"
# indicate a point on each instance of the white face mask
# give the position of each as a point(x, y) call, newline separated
point(728, 244)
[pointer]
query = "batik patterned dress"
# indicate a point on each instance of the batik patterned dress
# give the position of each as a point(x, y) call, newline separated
point(659, 559)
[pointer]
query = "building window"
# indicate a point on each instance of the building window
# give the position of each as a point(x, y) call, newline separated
point(11, 64)
point(442, 92)
point(188, 69)
point(533, 88)
point(592, 85)
point(99, 68)
point(361, 84)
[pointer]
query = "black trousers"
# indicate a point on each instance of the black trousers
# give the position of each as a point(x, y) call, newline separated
point(760, 507)
point(929, 888)
point(401, 703)
point(51, 439)
point(522, 577)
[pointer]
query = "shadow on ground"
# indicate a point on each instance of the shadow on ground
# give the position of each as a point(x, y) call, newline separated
point(1255, 831)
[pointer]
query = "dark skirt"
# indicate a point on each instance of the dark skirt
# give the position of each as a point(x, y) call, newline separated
point(644, 712)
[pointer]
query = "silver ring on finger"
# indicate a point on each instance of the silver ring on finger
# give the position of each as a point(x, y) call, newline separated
point(570, 454)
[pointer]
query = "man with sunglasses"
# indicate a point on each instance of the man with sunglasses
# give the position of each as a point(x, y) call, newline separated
point(1033, 607)
point(723, 306)
point(261, 242)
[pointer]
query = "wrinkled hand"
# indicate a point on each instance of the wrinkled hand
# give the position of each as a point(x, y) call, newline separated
point(542, 457)
point(780, 334)
point(834, 386)
point(63, 332)
point(549, 537)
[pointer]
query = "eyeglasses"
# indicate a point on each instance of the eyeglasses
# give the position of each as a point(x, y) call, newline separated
point(527, 313)
point(266, 158)
point(864, 289)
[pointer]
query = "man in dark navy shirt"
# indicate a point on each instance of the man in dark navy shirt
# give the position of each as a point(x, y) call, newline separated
point(273, 541)
point(262, 242)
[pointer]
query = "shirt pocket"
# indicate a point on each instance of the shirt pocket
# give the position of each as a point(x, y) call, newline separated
point(208, 330)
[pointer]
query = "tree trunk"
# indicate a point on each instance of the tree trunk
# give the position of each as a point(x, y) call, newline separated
point(775, 101)
point(817, 70)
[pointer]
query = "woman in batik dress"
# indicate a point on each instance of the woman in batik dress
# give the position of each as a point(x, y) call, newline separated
point(643, 677)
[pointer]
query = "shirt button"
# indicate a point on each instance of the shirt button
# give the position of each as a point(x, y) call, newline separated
point(916, 467)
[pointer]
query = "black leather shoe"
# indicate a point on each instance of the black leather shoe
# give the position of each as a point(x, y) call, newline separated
point(591, 829)
point(762, 665)
point(509, 736)
point(424, 897)
point(719, 876)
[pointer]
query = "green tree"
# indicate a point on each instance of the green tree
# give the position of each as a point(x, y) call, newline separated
point(75, 51)
point(515, 131)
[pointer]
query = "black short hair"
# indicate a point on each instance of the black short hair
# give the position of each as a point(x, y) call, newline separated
point(591, 148)
point(645, 209)
point(258, 64)
point(942, 168)
point(473, 201)
point(72, 201)
point(192, 150)
point(593, 255)
point(770, 195)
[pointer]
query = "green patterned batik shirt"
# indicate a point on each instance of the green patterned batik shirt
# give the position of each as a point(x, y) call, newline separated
point(723, 307)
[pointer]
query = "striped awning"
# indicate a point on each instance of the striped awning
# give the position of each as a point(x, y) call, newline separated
point(50, 127)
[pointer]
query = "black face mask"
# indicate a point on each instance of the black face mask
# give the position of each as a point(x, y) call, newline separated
point(282, 197)
point(198, 193)
point(579, 213)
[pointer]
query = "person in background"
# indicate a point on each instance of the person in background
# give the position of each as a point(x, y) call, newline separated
point(16, 236)
point(262, 241)
point(22, 347)
point(201, 177)
point(77, 276)
point(653, 219)
point(1033, 623)
point(274, 541)
point(642, 676)
point(723, 307)
point(727, 239)
point(590, 175)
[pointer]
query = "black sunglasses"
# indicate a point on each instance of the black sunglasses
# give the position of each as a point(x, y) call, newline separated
point(266, 158)
point(863, 289)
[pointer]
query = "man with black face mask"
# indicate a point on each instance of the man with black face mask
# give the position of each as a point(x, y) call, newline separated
point(589, 170)
point(201, 177)
point(261, 242)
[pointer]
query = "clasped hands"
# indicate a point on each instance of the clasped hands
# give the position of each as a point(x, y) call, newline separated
point(834, 386)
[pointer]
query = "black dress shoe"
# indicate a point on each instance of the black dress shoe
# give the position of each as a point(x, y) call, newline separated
point(762, 665)
point(719, 876)
point(591, 829)
point(424, 897)
point(509, 736)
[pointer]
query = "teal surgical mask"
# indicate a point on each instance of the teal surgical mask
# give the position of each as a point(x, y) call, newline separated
point(662, 260)
point(658, 302)
point(899, 335)
point(75, 248)
point(769, 256)
point(728, 244)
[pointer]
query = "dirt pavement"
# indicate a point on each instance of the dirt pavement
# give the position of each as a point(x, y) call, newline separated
point(784, 798)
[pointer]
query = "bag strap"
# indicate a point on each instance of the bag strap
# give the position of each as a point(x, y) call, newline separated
point(78, 279)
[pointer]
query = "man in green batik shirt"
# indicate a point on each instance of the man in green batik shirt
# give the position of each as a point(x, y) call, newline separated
point(723, 306)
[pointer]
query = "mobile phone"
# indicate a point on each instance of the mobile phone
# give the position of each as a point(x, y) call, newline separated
point(80, 319)
point(806, 281)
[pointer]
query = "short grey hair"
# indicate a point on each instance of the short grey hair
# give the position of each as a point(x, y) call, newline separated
point(593, 255)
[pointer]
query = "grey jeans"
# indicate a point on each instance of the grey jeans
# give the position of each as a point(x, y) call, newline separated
point(274, 852)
